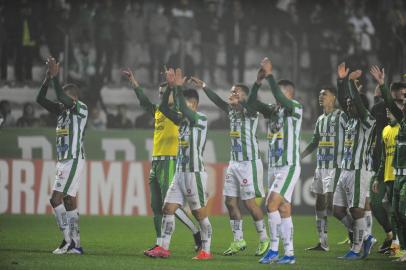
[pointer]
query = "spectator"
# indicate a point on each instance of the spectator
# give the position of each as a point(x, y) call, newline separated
point(134, 34)
point(363, 29)
point(235, 31)
point(5, 114)
point(179, 58)
point(28, 118)
point(56, 26)
point(83, 21)
point(10, 39)
point(120, 120)
point(104, 21)
point(158, 30)
point(83, 67)
point(97, 119)
point(28, 36)
point(144, 121)
point(209, 26)
point(184, 22)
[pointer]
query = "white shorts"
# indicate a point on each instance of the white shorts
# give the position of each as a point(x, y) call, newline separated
point(325, 180)
point(188, 187)
point(282, 180)
point(244, 179)
point(68, 174)
point(368, 176)
point(351, 189)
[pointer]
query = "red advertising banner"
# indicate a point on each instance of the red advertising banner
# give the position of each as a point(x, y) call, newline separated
point(106, 188)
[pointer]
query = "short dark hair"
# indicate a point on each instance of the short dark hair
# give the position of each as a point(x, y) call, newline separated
point(243, 87)
point(331, 89)
point(191, 94)
point(73, 88)
point(396, 86)
point(286, 83)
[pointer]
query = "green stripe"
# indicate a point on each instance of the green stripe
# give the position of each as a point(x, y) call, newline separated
point(78, 139)
point(69, 151)
point(326, 162)
point(200, 189)
point(71, 175)
point(285, 141)
point(255, 178)
point(191, 151)
point(199, 137)
point(337, 138)
point(254, 156)
point(336, 177)
point(357, 188)
point(172, 167)
point(243, 139)
point(288, 179)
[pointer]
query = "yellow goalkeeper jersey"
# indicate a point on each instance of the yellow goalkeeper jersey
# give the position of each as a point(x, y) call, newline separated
point(389, 135)
point(165, 137)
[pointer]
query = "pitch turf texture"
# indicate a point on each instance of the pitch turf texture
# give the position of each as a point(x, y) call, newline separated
point(110, 243)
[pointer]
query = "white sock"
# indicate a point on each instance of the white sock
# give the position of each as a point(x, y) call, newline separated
point(368, 221)
point(205, 233)
point(167, 229)
point(348, 222)
point(73, 220)
point(158, 241)
point(274, 220)
point(236, 227)
point(261, 230)
point(321, 222)
point(185, 219)
point(359, 234)
point(61, 220)
point(287, 235)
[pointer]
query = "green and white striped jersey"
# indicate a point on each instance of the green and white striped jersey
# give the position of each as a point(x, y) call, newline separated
point(369, 153)
point(192, 139)
point(70, 131)
point(243, 128)
point(329, 131)
point(399, 160)
point(357, 135)
point(284, 136)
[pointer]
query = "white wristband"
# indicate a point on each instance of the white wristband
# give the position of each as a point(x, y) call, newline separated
point(204, 85)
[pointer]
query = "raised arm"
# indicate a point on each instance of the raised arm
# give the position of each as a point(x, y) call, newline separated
point(139, 92)
point(50, 106)
point(53, 68)
point(342, 86)
point(173, 115)
point(362, 110)
point(314, 143)
point(379, 76)
point(253, 102)
point(211, 94)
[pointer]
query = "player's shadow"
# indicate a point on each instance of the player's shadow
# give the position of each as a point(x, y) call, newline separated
point(24, 250)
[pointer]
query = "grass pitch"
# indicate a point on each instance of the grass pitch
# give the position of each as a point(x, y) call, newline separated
point(26, 242)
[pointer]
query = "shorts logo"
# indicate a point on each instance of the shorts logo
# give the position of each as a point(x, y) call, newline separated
point(189, 191)
point(58, 184)
point(244, 181)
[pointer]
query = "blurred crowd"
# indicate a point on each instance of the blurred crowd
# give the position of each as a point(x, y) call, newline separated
point(94, 38)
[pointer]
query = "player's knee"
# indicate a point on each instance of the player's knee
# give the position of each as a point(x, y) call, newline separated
point(69, 202)
point(357, 212)
point(339, 212)
point(56, 199)
point(168, 209)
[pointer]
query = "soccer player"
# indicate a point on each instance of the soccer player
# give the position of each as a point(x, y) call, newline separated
point(399, 161)
point(284, 123)
point(71, 122)
point(351, 190)
point(189, 184)
point(389, 134)
point(244, 177)
point(328, 139)
point(163, 160)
